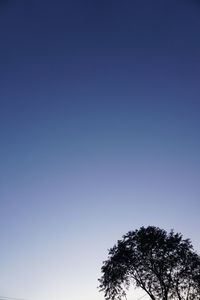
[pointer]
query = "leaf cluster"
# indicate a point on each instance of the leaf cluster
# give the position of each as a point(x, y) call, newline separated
point(163, 264)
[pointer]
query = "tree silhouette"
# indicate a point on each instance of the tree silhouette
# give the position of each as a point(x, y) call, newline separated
point(163, 264)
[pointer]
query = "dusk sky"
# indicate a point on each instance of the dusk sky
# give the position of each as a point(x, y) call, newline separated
point(100, 134)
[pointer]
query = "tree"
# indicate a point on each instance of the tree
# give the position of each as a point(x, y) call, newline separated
point(163, 264)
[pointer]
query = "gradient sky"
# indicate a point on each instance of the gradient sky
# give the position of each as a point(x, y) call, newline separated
point(99, 128)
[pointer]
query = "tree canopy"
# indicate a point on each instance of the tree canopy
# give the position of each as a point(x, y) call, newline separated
point(163, 264)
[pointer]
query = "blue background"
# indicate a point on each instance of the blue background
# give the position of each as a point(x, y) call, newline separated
point(99, 129)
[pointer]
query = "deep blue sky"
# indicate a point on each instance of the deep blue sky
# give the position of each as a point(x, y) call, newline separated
point(99, 127)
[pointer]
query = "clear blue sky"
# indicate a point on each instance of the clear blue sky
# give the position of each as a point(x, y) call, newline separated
point(99, 128)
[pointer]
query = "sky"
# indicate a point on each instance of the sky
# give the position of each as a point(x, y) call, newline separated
point(99, 129)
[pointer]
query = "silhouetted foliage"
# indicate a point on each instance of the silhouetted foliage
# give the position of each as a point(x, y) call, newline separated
point(163, 264)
